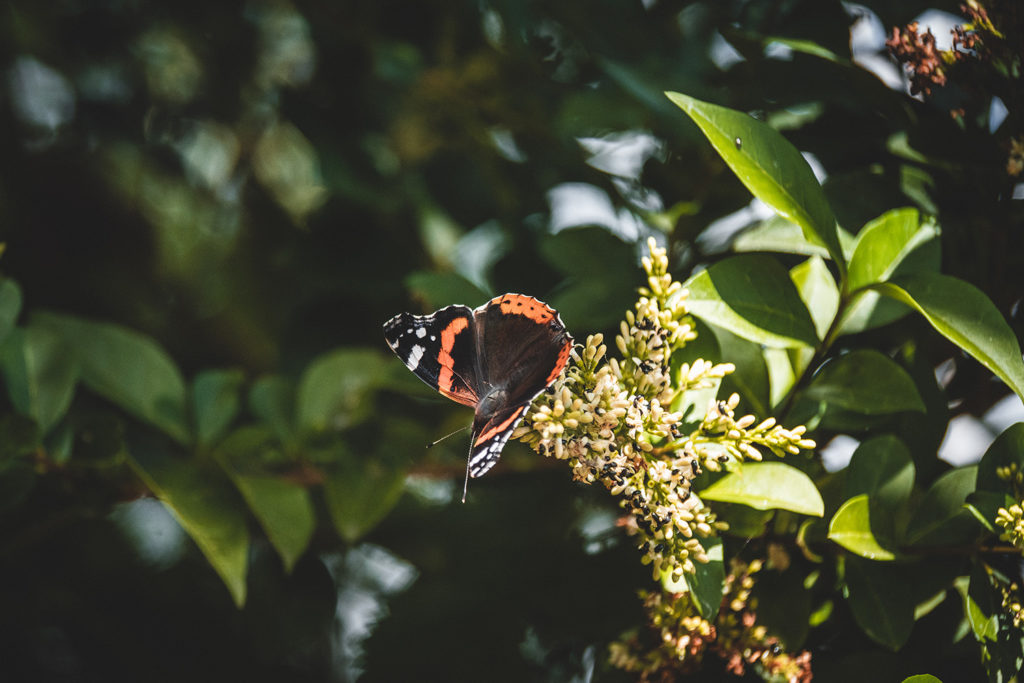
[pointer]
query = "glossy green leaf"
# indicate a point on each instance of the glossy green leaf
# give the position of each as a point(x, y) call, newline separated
point(707, 583)
point(208, 509)
point(751, 377)
point(883, 243)
point(865, 381)
point(984, 507)
point(768, 486)
point(851, 528)
point(40, 373)
point(770, 167)
point(780, 235)
point(883, 469)
point(272, 400)
point(1006, 450)
point(965, 316)
point(333, 392)
point(127, 368)
point(10, 306)
point(752, 296)
point(360, 492)
point(818, 291)
point(979, 606)
point(781, 374)
point(282, 507)
point(940, 518)
point(215, 401)
point(882, 600)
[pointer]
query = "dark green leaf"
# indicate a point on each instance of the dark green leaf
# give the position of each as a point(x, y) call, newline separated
point(360, 493)
point(865, 381)
point(882, 600)
point(1006, 450)
point(751, 377)
point(752, 296)
point(19, 436)
point(767, 486)
point(941, 519)
point(215, 400)
point(127, 368)
point(770, 167)
point(40, 373)
point(965, 316)
point(707, 583)
point(208, 508)
point(272, 400)
point(881, 468)
point(10, 306)
point(438, 289)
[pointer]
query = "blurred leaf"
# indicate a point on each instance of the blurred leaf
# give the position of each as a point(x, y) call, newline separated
point(752, 296)
point(360, 492)
point(940, 518)
point(272, 400)
point(10, 306)
point(768, 486)
point(127, 368)
point(865, 381)
point(208, 509)
point(882, 601)
point(1006, 450)
point(283, 508)
point(333, 392)
point(770, 167)
point(851, 528)
point(921, 678)
point(40, 373)
point(883, 243)
point(19, 436)
point(215, 400)
point(17, 480)
point(818, 291)
point(965, 316)
point(439, 289)
point(780, 235)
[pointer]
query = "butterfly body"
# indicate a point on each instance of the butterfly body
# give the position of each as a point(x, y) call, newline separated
point(496, 359)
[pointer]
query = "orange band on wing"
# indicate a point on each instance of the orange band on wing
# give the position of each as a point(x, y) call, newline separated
point(563, 358)
point(517, 304)
point(500, 428)
point(444, 358)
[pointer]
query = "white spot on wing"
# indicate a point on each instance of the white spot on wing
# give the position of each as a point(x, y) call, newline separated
point(421, 332)
point(414, 357)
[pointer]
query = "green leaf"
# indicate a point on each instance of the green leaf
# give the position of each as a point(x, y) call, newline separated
point(768, 486)
point(208, 509)
point(707, 583)
point(778, 234)
point(360, 493)
point(272, 400)
point(883, 243)
point(979, 607)
point(127, 368)
point(752, 296)
point(984, 507)
point(439, 289)
point(882, 469)
point(40, 373)
point(851, 528)
point(781, 375)
point(818, 291)
point(882, 601)
point(1006, 450)
point(770, 167)
point(921, 678)
point(867, 382)
point(941, 519)
point(751, 377)
point(10, 306)
point(282, 507)
point(19, 436)
point(334, 389)
point(965, 316)
point(215, 400)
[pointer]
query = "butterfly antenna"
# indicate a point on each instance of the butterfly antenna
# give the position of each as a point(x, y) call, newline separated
point(465, 486)
point(434, 443)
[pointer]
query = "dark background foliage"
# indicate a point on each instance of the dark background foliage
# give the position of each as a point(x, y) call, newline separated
point(255, 184)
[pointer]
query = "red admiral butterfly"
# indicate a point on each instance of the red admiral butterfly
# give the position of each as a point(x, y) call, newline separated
point(496, 359)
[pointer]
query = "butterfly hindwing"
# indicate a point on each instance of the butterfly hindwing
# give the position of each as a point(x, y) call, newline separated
point(440, 349)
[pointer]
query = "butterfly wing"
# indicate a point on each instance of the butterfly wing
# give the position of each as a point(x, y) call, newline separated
point(440, 349)
point(522, 348)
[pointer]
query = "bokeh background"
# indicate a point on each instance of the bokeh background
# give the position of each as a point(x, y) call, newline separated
point(258, 186)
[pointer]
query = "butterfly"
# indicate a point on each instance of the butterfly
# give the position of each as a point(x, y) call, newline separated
point(496, 359)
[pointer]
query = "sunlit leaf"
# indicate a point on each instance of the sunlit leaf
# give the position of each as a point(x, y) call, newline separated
point(768, 486)
point(770, 167)
point(818, 291)
point(883, 243)
point(753, 297)
point(965, 316)
point(851, 528)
